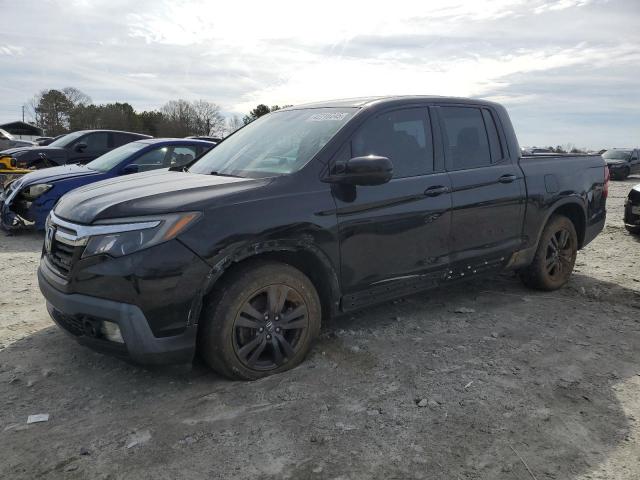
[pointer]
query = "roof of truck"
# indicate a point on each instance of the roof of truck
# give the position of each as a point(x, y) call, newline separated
point(360, 102)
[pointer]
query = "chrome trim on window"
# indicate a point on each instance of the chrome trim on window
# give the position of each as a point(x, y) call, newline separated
point(78, 235)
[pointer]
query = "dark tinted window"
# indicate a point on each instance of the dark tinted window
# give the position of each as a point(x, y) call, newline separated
point(96, 142)
point(403, 136)
point(494, 140)
point(122, 138)
point(465, 137)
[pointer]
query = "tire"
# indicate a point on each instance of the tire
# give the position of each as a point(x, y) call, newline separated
point(552, 264)
point(625, 173)
point(236, 338)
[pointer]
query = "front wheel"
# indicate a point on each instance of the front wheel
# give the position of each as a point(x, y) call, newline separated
point(262, 321)
point(633, 229)
point(555, 257)
point(625, 173)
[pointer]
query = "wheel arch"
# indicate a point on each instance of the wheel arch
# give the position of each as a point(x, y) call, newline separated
point(574, 211)
point(306, 258)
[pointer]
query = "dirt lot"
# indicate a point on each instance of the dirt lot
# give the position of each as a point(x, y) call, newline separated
point(528, 385)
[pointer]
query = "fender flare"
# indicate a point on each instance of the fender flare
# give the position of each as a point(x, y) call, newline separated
point(235, 254)
point(570, 200)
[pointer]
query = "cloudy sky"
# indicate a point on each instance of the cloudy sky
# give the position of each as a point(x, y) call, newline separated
point(567, 70)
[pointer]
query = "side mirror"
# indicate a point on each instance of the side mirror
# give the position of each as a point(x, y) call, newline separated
point(131, 168)
point(370, 170)
point(79, 148)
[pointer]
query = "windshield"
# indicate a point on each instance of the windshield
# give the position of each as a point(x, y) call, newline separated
point(66, 140)
point(616, 155)
point(113, 158)
point(275, 144)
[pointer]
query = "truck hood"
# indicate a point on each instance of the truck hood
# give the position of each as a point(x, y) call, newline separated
point(151, 193)
point(53, 174)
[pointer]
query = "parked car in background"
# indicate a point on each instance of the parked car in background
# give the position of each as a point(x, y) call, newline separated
point(207, 138)
point(28, 200)
point(9, 141)
point(44, 141)
point(622, 162)
point(309, 212)
point(632, 210)
point(77, 147)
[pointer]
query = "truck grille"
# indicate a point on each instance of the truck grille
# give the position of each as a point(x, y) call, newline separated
point(63, 256)
point(61, 253)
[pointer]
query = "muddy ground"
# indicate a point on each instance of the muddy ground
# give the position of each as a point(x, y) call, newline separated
point(528, 385)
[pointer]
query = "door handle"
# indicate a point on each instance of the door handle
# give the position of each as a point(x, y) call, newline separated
point(507, 178)
point(436, 190)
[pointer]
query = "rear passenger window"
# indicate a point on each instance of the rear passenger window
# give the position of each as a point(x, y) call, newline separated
point(465, 137)
point(182, 155)
point(403, 136)
point(494, 140)
point(120, 139)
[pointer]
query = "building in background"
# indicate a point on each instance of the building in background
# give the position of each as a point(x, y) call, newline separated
point(22, 130)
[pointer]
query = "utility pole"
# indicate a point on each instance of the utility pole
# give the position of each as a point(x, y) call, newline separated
point(22, 113)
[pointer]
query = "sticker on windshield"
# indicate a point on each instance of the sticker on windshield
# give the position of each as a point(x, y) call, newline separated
point(326, 117)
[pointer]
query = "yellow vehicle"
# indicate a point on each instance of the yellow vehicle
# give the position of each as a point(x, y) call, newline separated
point(8, 166)
point(9, 171)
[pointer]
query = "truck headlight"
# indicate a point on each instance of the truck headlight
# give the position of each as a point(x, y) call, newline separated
point(136, 235)
point(34, 191)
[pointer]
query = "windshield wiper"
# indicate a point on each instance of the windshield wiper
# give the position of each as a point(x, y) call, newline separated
point(218, 174)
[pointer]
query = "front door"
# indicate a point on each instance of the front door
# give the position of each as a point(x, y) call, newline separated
point(487, 190)
point(95, 144)
point(396, 234)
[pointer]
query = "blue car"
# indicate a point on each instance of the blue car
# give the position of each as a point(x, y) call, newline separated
point(26, 202)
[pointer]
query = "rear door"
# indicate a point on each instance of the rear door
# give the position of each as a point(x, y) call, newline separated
point(487, 189)
point(392, 234)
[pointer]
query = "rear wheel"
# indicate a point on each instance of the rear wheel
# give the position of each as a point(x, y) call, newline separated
point(262, 321)
point(555, 257)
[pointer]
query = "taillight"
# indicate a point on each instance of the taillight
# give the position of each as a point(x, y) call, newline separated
point(605, 190)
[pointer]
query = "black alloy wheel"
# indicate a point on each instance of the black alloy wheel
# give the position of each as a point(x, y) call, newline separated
point(269, 326)
point(560, 254)
point(261, 320)
point(555, 256)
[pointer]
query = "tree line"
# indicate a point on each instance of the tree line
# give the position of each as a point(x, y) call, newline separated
point(59, 111)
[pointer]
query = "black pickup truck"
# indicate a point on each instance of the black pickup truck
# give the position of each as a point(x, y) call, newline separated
point(306, 213)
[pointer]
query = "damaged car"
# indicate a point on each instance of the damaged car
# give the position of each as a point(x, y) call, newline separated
point(28, 200)
point(9, 141)
point(632, 210)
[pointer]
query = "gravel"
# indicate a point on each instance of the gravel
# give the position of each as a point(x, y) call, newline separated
point(552, 385)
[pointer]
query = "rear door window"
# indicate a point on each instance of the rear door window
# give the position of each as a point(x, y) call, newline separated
point(466, 143)
point(182, 155)
point(120, 139)
point(403, 136)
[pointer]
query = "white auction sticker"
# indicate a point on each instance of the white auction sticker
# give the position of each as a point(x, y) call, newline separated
point(327, 116)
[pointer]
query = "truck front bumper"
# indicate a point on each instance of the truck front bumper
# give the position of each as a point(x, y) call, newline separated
point(81, 316)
